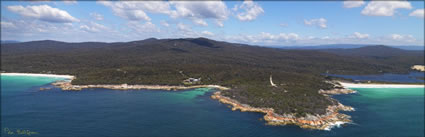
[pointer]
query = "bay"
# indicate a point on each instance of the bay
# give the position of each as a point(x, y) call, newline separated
point(105, 112)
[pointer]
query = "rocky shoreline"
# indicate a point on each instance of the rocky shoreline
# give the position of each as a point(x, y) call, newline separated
point(337, 91)
point(320, 122)
point(66, 85)
point(331, 118)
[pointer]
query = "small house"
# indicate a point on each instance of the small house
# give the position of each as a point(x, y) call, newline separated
point(192, 81)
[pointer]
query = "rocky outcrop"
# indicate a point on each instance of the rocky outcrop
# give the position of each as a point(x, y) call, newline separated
point(66, 85)
point(337, 91)
point(321, 122)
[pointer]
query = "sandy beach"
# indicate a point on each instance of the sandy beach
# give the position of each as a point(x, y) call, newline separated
point(38, 75)
point(66, 85)
point(364, 85)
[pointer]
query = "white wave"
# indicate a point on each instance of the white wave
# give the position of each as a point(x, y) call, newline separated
point(335, 124)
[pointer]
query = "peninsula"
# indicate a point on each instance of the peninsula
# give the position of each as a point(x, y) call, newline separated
point(326, 121)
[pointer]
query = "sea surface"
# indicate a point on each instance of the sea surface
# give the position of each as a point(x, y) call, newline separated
point(104, 112)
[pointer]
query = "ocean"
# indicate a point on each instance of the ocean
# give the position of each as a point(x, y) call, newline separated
point(105, 112)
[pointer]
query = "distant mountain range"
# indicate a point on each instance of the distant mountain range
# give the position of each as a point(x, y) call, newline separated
point(9, 41)
point(374, 51)
point(347, 46)
point(330, 46)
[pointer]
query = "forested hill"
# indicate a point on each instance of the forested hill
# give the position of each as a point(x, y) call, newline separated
point(246, 69)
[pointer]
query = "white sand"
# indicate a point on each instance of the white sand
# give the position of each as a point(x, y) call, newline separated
point(37, 75)
point(354, 85)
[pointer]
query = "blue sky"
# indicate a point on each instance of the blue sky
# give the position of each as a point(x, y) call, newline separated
point(269, 23)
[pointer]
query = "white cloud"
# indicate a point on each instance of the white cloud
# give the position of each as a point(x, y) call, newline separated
point(207, 33)
point(280, 36)
point(96, 16)
point(396, 37)
point(280, 39)
point(310, 37)
point(358, 35)
point(184, 30)
point(136, 10)
point(265, 38)
point(219, 23)
point(250, 10)
point(200, 22)
point(326, 37)
point(183, 27)
point(30, 30)
point(7, 25)
point(70, 2)
point(93, 27)
point(399, 37)
point(143, 28)
point(44, 13)
point(165, 23)
point(418, 13)
point(88, 29)
point(32, 27)
point(130, 6)
point(207, 9)
point(133, 15)
point(353, 3)
point(197, 12)
point(385, 8)
point(320, 22)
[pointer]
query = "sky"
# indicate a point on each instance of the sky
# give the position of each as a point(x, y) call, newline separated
point(264, 23)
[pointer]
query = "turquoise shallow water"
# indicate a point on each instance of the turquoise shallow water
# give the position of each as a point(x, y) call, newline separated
point(103, 112)
point(387, 111)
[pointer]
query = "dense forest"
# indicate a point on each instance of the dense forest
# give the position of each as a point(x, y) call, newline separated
point(244, 68)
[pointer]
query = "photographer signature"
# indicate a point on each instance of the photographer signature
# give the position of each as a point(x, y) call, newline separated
point(18, 132)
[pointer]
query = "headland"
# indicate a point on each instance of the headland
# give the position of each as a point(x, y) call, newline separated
point(326, 121)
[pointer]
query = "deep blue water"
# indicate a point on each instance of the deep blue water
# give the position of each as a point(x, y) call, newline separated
point(412, 77)
point(104, 112)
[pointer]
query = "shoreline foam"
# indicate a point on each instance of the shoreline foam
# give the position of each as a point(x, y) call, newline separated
point(38, 75)
point(363, 85)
